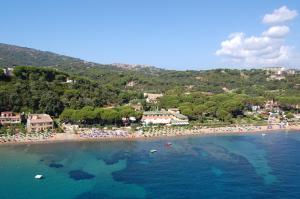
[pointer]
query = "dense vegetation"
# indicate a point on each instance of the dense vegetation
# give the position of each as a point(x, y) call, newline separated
point(103, 116)
point(43, 90)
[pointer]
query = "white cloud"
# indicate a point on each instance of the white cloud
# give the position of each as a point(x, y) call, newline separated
point(253, 51)
point(256, 43)
point(267, 49)
point(277, 31)
point(280, 15)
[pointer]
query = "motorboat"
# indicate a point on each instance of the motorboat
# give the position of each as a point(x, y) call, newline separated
point(153, 151)
point(39, 177)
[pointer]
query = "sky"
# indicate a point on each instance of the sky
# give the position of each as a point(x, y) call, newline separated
point(172, 34)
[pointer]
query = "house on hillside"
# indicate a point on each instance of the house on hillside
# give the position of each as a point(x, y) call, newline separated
point(137, 107)
point(131, 84)
point(279, 73)
point(10, 118)
point(164, 117)
point(70, 81)
point(152, 97)
point(9, 72)
point(39, 122)
point(270, 104)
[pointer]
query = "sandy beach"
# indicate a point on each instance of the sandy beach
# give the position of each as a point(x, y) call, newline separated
point(89, 134)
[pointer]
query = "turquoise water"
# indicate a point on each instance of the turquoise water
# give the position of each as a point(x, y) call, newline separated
point(235, 166)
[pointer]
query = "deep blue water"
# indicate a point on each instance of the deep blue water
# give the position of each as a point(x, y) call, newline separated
point(235, 166)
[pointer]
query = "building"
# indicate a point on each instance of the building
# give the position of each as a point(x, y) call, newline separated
point(270, 105)
point(174, 110)
point(279, 73)
point(164, 117)
point(255, 108)
point(69, 80)
point(291, 71)
point(39, 122)
point(152, 97)
point(137, 107)
point(8, 72)
point(131, 84)
point(275, 70)
point(10, 118)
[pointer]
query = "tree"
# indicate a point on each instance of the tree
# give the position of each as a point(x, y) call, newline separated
point(200, 110)
point(126, 111)
point(67, 115)
point(290, 115)
point(223, 115)
point(110, 116)
point(51, 104)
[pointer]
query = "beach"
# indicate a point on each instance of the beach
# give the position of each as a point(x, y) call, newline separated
point(151, 133)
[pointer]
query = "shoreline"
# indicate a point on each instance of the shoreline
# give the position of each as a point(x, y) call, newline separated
point(161, 134)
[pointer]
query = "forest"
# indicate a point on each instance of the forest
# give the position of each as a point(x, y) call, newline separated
point(87, 101)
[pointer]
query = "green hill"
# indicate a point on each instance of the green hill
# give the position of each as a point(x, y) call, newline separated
point(39, 85)
point(150, 79)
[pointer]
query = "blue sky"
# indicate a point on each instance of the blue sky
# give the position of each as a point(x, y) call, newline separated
point(166, 33)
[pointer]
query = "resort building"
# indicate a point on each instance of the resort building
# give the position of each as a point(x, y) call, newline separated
point(152, 98)
point(39, 122)
point(10, 118)
point(164, 117)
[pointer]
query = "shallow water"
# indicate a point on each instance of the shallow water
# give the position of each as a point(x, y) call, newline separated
point(235, 166)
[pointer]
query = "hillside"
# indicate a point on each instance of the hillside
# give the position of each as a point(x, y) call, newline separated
point(150, 79)
point(11, 55)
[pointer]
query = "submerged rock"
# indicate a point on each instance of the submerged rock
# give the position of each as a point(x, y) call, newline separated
point(80, 175)
point(55, 165)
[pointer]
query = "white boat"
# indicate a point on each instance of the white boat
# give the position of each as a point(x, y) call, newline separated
point(39, 177)
point(263, 134)
point(153, 151)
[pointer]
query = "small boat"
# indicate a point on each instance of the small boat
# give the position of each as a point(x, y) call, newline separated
point(39, 177)
point(168, 144)
point(153, 151)
point(263, 134)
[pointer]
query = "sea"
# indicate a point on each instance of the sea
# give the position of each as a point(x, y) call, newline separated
point(215, 166)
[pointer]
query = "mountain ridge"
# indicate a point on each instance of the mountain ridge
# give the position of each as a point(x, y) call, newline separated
point(13, 55)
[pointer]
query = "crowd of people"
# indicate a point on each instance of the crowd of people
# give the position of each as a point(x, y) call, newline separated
point(100, 133)
point(177, 131)
point(28, 137)
point(142, 132)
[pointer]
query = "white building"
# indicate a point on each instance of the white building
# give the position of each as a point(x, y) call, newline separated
point(164, 117)
point(279, 73)
point(152, 97)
